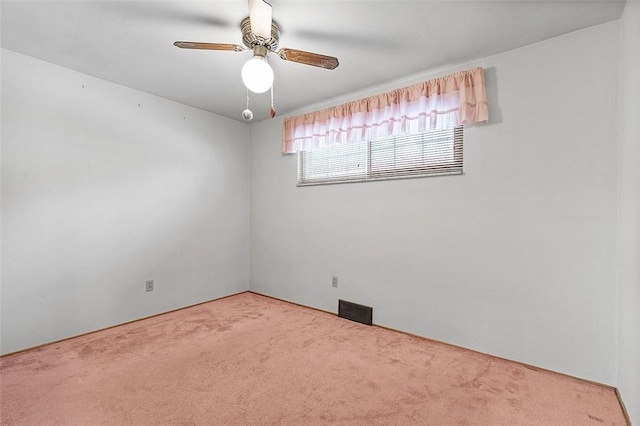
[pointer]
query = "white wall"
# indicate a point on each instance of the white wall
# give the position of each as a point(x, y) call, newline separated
point(629, 213)
point(104, 187)
point(515, 258)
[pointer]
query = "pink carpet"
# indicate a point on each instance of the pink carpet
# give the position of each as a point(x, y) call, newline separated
point(252, 360)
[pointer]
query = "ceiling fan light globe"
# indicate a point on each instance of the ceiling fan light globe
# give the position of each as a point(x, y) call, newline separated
point(257, 75)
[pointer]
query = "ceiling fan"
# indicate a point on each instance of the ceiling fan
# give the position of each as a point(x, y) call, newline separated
point(261, 34)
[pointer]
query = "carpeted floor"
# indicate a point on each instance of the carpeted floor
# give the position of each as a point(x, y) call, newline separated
point(252, 360)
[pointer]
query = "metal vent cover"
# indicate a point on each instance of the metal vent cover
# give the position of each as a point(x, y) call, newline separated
point(355, 312)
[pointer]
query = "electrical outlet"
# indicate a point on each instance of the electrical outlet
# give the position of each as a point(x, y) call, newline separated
point(334, 282)
point(150, 285)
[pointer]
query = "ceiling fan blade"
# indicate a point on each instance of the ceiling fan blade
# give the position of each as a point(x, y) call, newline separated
point(208, 46)
point(308, 58)
point(260, 16)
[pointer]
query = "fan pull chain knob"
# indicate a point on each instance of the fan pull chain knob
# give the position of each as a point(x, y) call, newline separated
point(247, 114)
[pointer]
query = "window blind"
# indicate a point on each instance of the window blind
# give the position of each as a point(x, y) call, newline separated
point(424, 154)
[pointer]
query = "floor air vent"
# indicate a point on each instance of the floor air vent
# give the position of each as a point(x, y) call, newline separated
point(355, 312)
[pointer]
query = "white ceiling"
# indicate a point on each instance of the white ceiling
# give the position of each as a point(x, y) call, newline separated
point(131, 42)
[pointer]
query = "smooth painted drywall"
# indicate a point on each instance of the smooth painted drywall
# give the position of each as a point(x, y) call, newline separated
point(515, 258)
point(105, 187)
point(629, 213)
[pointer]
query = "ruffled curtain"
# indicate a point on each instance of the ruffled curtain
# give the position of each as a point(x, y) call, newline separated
point(452, 100)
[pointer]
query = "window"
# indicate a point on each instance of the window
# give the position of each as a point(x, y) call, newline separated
point(426, 154)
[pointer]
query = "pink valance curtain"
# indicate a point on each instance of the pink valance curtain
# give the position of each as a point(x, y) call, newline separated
point(452, 100)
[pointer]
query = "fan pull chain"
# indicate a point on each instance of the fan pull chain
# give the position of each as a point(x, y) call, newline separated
point(247, 114)
point(272, 111)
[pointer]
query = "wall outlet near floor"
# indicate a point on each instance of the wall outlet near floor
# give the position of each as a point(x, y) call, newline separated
point(150, 285)
point(334, 282)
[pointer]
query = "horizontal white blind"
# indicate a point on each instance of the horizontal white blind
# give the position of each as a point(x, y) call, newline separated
point(334, 163)
point(430, 153)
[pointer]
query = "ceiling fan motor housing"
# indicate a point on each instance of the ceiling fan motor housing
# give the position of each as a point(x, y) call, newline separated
point(251, 40)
